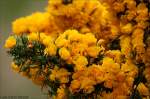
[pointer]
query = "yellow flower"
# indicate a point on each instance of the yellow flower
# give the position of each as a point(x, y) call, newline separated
point(74, 35)
point(127, 29)
point(147, 74)
point(115, 54)
point(125, 43)
point(143, 89)
point(89, 39)
point(38, 79)
point(130, 67)
point(93, 51)
point(61, 94)
point(42, 36)
point(37, 22)
point(53, 74)
point(110, 66)
point(79, 67)
point(80, 60)
point(64, 53)
point(15, 67)
point(142, 12)
point(107, 61)
point(87, 85)
point(137, 41)
point(19, 26)
point(96, 72)
point(61, 41)
point(118, 7)
point(10, 42)
point(51, 49)
point(47, 40)
point(59, 74)
point(74, 86)
point(129, 81)
point(78, 48)
point(63, 75)
point(114, 30)
point(34, 36)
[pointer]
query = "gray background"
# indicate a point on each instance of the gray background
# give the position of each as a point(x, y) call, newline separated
point(13, 84)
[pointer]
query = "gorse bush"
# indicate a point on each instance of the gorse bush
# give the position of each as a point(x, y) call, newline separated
point(85, 49)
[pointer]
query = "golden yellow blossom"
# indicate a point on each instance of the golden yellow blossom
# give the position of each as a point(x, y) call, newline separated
point(142, 11)
point(60, 42)
point(78, 48)
point(87, 85)
point(130, 68)
point(34, 36)
point(137, 40)
point(47, 40)
point(118, 7)
point(80, 60)
point(131, 4)
point(114, 30)
point(79, 67)
point(37, 22)
point(97, 73)
point(109, 65)
point(93, 51)
point(75, 86)
point(125, 43)
point(61, 75)
point(73, 35)
point(64, 53)
point(10, 42)
point(89, 38)
point(51, 49)
point(61, 94)
point(19, 26)
point(15, 67)
point(127, 29)
point(147, 74)
point(143, 89)
point(42, 36)
point(53, 74)
point(115, 54)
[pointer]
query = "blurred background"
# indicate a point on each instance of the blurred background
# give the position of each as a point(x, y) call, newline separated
point(11, 83)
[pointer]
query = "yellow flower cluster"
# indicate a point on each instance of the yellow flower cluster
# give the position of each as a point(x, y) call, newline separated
point(86, 79)
point(74, 47)
point(88, 44)
point(118, 77)
point(10, 42)
point(60, 74)
point(37, 22)
point(61, 94)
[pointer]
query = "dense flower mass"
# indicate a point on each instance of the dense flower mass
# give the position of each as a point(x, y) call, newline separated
point(85, 49)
